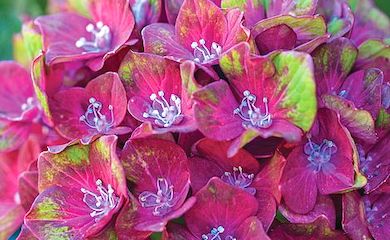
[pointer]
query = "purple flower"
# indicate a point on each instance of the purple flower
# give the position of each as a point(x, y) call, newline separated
point(158, 170)
point(97, 109)
point(202, 33)
point(159, 92)
point(322, 163)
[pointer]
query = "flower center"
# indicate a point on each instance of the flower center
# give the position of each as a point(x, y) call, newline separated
point(165, 114)
point(343, 93)
point(215, 234)
point(203, 54)
point(319, 154)
point(251, 114)
point(161, 201)
point(100, 203)
point(29, 104)
point(239, 179)
point(93, 117)
point(101, 38)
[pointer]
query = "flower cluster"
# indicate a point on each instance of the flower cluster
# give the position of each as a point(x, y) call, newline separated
point(197, 119)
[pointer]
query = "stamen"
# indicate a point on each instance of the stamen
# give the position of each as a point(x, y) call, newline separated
point(93, 117)
point(165, 113)
point(319, 154)
point(100, 203)
point(29, 104)
point(215, 234)
point(161, 201)
point(252, 115)
point(203, 54)
point(239, 179)
point(343, 93)
point(101, 38)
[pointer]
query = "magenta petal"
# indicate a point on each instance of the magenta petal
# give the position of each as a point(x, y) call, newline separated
point(278, 37)
point(28, 188)
point(200, 19)
point(363, 88)
point(268, 179)
point(214, 108)
point(13, 134)
point(354, 223)
point(219, 204)
point(202, 170)
point(338, 173)
point(251, 229)
point(324, 208)
point(159, 38)
point(16, 90)
point(296, 174)
point(377, 212)
point(376, 165)
point(108, 89)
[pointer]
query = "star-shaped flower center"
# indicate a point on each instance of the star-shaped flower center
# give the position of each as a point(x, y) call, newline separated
point(100, 41)
point(162, 201)
point(93, 117)
point(319, 154)
point(100, 203)
point(165, 113)
point(252, 115)
point(239, 179)
point(216, 234)
point(203, 54)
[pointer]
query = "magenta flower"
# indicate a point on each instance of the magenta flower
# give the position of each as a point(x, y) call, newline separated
point(159, 92)
point(81, 190)
point(263, 100)
point(14, 198)
point(357, 97)
point(241, 171)
point(225, 212)
point(98, 109)
point(159, 171)
point(202, 33)
point(69, 37)
point(375, 164)
point(321, 164)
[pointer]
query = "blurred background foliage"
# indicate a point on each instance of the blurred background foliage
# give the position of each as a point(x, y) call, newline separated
point(12, 11)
